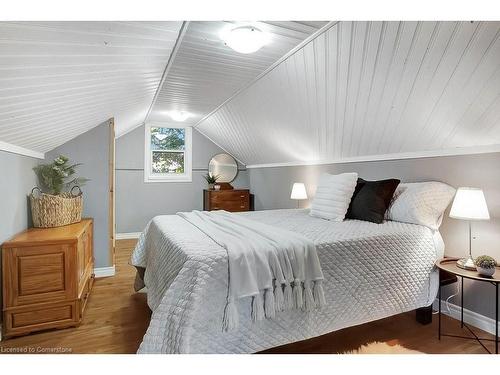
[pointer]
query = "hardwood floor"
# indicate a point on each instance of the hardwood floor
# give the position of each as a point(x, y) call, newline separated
point(117, 318)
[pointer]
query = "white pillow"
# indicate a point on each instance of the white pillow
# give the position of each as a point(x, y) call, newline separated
point(333, 196)
point(420, 203)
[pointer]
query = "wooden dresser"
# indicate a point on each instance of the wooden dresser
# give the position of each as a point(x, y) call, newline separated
point(47, 276)
point(233, 200)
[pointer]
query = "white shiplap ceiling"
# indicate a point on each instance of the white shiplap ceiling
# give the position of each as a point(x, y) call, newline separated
point(366, 89)
point(353, 90)
point(60, 79)
point(206, 72)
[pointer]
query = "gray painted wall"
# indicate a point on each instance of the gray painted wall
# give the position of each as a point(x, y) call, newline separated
point(272, 187)
point(16, 181)
point(92, 150)
point(137, 201)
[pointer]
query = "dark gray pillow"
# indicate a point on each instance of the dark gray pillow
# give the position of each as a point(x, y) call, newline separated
point(371, 199)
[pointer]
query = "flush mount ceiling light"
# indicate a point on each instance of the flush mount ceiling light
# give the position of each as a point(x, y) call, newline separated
point(245, 39)
point(179, 115)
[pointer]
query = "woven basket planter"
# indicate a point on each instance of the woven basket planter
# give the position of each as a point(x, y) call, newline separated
point(50, 211)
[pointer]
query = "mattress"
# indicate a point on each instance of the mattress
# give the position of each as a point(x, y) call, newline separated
point(371, 271)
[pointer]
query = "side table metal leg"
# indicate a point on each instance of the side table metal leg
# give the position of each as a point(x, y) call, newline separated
point(462, 304)
point(439, 311)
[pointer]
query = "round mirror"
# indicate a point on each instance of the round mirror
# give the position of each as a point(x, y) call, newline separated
point(224, 166)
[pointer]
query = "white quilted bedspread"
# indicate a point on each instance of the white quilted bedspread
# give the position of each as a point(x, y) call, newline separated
point(371, 271)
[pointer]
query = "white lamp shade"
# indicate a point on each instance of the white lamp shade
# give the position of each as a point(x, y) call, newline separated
point(298, 191)
point(469, 204)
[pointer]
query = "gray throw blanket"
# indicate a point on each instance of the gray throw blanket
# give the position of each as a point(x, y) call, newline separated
point(279, 269)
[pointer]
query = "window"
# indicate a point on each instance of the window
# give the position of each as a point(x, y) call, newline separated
point(168, 154)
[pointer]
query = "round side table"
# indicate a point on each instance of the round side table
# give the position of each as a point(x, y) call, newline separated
point(450, 265)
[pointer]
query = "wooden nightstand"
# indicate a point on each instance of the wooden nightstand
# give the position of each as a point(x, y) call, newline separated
point(47, 276)
point(449, 265)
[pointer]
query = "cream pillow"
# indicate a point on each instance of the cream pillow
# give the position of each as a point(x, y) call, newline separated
point(333, 196)
point(420, 203)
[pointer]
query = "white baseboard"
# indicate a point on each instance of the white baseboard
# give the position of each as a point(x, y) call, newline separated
point(104, 271)
point(127, 236)
point(470, 317)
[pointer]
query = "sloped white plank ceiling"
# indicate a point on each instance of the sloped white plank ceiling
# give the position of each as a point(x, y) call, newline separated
point(60, 79)
point(366, 89)
point(206, 72)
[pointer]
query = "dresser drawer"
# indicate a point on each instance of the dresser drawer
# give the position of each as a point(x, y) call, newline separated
point(231, 206)
point(25, 319)
point(229, 200)
point(224, 195)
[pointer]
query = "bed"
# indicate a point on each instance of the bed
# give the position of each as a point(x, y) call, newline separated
point(371, 271)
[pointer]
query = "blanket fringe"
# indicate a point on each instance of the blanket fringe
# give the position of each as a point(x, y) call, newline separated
point(297, 294)
point(288, 297)
point(319, 294)
point(269, 303)
point(230, 321)
point(309, 303)
point(257, 308)
point(279, 301)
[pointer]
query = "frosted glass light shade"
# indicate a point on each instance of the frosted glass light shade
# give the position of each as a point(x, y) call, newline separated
point(469, 204)
point(298, 191)
point(245, 39)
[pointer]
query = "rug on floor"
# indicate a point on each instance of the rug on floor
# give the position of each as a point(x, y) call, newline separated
point(382, 348)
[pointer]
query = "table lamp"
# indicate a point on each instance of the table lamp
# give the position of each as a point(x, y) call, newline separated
point(469, 204)
point(298, 192)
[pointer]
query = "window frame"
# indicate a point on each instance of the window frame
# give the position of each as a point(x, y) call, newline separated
point(187, 176)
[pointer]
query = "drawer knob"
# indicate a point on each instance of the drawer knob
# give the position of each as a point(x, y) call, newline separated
point(242, 206)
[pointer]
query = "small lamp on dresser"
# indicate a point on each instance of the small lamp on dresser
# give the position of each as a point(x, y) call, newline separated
point(298, 192)
point(469, 204)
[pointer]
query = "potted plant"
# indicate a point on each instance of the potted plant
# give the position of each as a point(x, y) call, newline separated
point(56, 203)
point(485, 265)
point(211, 180)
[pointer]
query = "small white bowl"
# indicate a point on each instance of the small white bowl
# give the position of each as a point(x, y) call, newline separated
point(488, 272)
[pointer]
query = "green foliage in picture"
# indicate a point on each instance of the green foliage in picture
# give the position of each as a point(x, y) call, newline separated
point(167, 139)
point(168, 162)
point(58, 176)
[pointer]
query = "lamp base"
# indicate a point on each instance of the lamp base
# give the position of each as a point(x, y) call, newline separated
point(466, 263)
